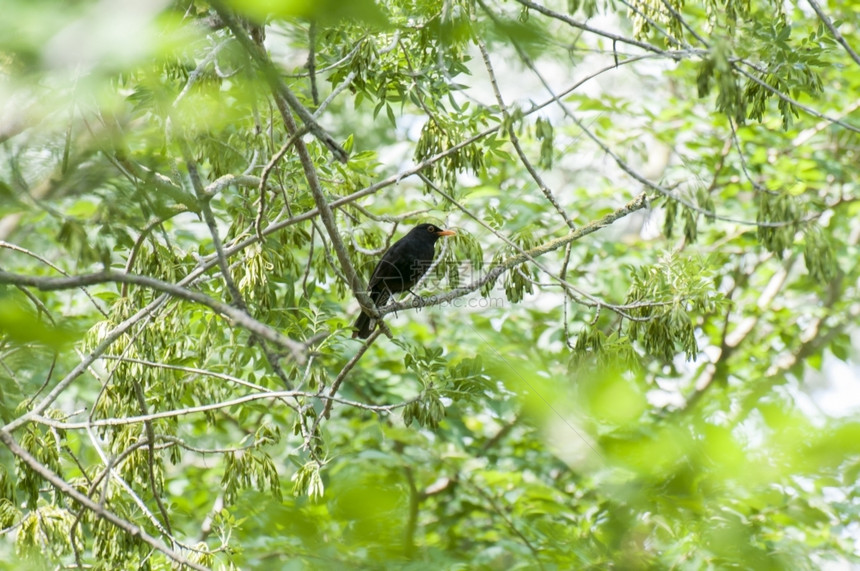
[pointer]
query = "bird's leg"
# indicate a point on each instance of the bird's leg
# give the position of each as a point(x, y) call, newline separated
point(418, 305)
point(393, 300)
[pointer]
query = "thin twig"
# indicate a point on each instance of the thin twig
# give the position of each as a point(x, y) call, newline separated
point(264, 177)
point(138, 243)
point(787, 98)
point(508, 521)
point(273, 76)
point(203, 201)
point(312, 63)
point(198, 71)
point(512, 134)
point(335, 386)
point(189, 370)
point(347, 81)
point(150, 460)
point(17, 248)
point(586, 28)
point(99, 511)
point(274, 395)
point(684, 23)
point(836, 35)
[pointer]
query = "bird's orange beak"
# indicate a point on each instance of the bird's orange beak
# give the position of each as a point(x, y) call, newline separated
point(445, 233)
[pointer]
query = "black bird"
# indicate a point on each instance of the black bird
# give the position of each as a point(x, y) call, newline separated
point(399, 269)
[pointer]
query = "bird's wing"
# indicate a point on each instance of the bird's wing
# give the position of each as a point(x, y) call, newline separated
point(387, 262)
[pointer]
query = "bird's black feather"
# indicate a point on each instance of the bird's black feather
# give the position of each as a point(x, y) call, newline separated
point(399, 270)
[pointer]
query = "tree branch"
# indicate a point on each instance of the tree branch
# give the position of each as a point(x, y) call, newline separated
point(108, 340)
point(67, 489)
point(836, 35)
point(614, 37)
point(150, 459)
point(15, 247)
point(276, 82)
point(637, 203)
point(335, 386)
point(326, 214)
point(277, 395)
point(236, 315)
point(787, 98)
point(516, 142)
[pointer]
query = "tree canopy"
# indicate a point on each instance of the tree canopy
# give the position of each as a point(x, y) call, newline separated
point(618, 361)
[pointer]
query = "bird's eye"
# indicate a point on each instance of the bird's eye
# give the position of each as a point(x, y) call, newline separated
point(431, 229)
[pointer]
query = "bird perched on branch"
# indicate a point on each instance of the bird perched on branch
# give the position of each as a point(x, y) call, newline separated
point(400, 269)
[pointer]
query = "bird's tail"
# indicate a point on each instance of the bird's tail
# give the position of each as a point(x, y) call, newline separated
point(365, 323)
